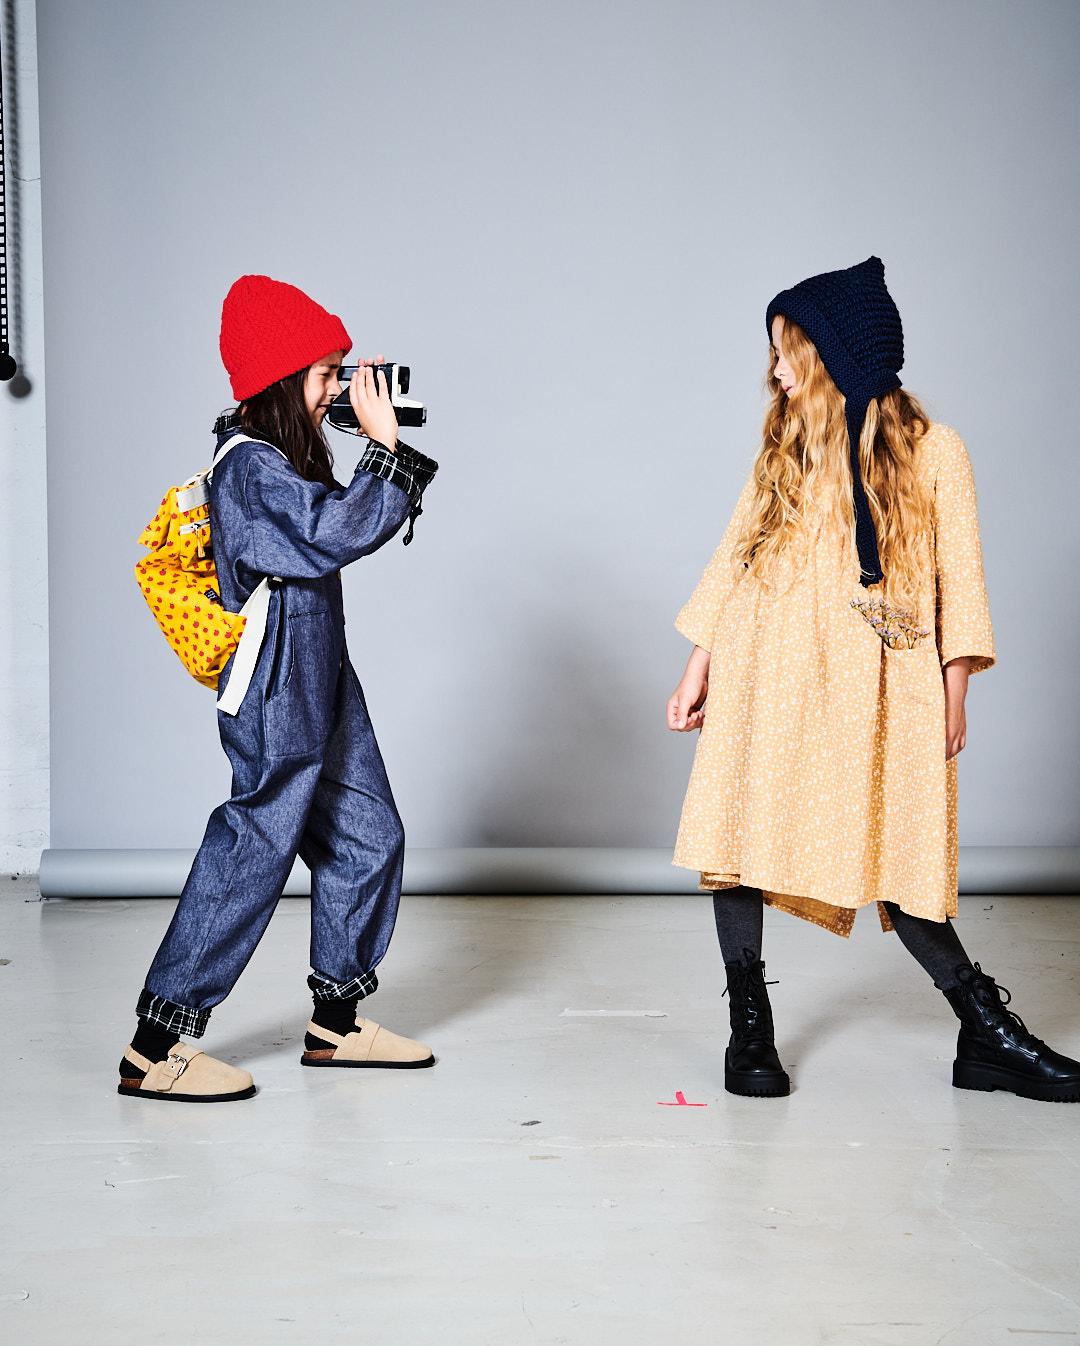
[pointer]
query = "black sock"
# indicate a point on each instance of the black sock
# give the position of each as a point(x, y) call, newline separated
point(738, 914)
point(153, 1041)
point(935, 944)
point(337, 1015)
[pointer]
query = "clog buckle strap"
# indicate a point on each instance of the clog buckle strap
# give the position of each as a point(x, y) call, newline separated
point(175, 1064)
point(165, 1073)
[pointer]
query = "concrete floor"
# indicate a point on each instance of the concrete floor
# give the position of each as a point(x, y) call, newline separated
point(531, 1188)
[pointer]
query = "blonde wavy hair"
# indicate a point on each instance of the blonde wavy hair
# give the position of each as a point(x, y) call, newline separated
point(804, 461)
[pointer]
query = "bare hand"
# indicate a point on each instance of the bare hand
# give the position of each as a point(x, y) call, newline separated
point(686, 706)
point(370, 399)
point(955, 674)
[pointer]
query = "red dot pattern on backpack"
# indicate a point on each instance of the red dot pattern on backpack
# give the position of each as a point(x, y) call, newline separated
point(175, 580)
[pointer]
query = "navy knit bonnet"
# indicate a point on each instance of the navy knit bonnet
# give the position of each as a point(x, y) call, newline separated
point(851, 318)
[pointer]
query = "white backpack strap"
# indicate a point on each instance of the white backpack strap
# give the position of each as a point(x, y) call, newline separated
point(193, 493)
point(247, 652)
point(196, 490)
point(255, 609)
point(240, 438)
point(220, 453)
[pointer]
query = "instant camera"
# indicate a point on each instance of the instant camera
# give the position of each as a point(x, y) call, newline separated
point(408, 412)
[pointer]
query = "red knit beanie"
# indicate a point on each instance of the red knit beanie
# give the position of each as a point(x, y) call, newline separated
point(270, 330)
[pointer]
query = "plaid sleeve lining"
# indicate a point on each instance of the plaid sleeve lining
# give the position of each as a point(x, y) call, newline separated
point(408, 469)
point(422, 467)
point(392, 467)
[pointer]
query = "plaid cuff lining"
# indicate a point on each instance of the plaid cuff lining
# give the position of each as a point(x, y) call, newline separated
point(408, 468)
point(392, 467)
point(423, 468)
point(325, 988)
point(182, 1020)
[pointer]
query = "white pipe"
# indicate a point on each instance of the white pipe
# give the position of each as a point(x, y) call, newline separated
point(527, 869)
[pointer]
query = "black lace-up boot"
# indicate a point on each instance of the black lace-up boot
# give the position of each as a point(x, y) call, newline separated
point(751, 1065)
point(995, 1050)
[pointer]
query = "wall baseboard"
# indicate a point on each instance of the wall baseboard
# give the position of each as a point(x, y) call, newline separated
point(485, 870)
point(19, 862)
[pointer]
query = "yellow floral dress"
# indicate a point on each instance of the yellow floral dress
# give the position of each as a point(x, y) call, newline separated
point(820, 774)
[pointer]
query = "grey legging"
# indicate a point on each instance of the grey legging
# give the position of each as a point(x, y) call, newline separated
point(935, 944)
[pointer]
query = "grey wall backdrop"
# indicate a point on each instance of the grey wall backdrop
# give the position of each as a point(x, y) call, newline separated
point(568, 218)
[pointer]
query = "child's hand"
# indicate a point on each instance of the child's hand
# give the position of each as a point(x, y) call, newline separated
point(370, 398)
point(955, 731)
point(956, 674)
point(686, 708)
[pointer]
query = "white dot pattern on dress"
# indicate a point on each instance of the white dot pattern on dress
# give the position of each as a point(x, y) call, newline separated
point(820, 774)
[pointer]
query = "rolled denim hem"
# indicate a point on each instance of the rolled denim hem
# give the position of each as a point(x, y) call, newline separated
point(182, 1020)
point(323, 987)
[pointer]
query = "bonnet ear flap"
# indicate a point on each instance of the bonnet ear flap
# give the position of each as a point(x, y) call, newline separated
point(865, 533)
point(157, 530)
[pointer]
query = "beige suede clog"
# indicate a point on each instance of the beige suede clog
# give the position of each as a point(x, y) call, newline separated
point(367, 1045)
point(187, 1075)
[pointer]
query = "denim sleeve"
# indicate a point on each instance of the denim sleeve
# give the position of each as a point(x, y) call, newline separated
point(302, 529)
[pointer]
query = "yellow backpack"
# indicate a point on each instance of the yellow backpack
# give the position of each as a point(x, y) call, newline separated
point(179, 582)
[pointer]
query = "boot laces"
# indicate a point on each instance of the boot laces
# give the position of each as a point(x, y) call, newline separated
point(757, 1010)
point(989, 993)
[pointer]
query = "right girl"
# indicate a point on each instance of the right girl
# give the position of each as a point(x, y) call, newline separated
point(834, 633)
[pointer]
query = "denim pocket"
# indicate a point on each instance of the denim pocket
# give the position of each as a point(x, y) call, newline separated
point(300, 699)
point(277, 665)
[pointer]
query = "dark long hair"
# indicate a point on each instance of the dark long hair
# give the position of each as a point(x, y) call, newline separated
point(280, 416)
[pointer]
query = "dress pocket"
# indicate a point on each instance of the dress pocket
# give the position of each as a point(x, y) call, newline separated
point(299, 708)
point(913, 676)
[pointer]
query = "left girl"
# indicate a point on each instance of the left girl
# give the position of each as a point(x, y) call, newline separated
point(308, 777)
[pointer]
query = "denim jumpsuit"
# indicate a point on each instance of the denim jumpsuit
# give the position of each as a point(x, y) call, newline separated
point(308, 777)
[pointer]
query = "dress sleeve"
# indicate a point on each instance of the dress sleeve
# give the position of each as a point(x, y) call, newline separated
point(962, 608)
point(301, 529)
point(700, 615)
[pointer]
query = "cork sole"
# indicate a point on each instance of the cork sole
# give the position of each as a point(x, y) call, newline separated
point(132, 1089)
point(326, 1058)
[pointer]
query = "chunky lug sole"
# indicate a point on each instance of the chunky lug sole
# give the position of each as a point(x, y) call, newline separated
point(326, 1058)
point(756, 1085)
point(976, 1075)
point(132, 1090)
